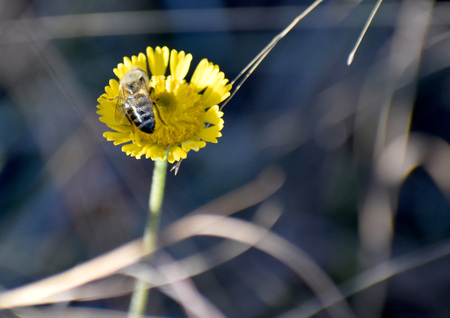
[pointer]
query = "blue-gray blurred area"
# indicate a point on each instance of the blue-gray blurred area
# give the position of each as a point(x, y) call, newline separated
point(364, 148)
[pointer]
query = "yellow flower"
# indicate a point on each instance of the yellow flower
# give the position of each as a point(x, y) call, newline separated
point(186, 114)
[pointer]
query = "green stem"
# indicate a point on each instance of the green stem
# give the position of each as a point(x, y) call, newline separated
point(140, 294)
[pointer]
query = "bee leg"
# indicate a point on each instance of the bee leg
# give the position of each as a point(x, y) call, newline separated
point(151, 90)
point(132, 126)
point(154, 100)
point(159, 115)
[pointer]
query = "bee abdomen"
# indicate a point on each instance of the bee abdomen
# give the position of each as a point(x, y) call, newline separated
point(140, 111)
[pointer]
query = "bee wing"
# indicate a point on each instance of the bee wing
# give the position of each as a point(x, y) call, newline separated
point(120, 110)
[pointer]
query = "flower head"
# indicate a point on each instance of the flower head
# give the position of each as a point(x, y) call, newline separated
point(180, 115)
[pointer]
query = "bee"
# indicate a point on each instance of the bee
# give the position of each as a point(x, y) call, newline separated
point(136, 101)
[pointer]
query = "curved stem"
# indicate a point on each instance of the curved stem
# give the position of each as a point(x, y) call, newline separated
point(140, 294)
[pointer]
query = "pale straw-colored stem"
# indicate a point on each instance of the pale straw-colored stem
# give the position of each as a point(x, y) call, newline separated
point(351, 56)
point(248, 70)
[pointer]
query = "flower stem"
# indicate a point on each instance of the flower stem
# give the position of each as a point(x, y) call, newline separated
point(140, 294)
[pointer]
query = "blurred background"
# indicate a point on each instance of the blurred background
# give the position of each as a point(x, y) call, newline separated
point(363, 149)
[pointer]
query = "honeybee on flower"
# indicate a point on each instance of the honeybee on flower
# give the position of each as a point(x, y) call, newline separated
point(172, 116)
point(135, 101)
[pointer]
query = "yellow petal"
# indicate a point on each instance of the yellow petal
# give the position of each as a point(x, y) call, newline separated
point(210, 134)
point(179, 64)
point(117, 137)
point(128, 64)
point(204, 73)
point(175, 154)
point(139, 61)
point(193, 145)
point(158, 60)
point(217, 92)
point(213, 116)
point(132, 150)
point(155, 152)
point(122, 68)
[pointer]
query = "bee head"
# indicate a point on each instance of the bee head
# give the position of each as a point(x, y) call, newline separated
point(135, 80)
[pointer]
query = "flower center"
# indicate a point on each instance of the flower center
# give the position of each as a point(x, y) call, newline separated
point(178, 111)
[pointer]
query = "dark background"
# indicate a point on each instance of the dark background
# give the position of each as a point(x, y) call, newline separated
point(358, 190)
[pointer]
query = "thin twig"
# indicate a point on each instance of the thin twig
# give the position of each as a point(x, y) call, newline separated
point(248, 70)
point(363, 32)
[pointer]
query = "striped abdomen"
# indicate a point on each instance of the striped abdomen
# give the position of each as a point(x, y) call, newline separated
point(139, 110)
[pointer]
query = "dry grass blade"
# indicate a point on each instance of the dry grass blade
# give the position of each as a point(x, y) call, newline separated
point(185, 293)
point(248, 70)
point(363, 32)
point(37, 293)
point(269, 242)
point(183, 269)
point(377, 275)
point(378, 208)
point(40, 292)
